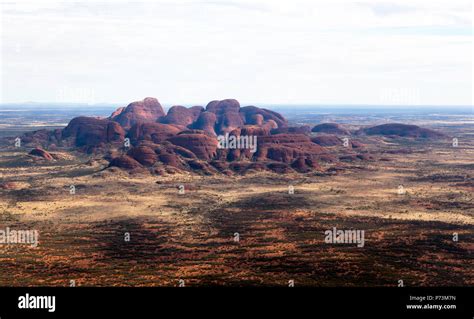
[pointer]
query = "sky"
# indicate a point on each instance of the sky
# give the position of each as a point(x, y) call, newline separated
point(410, 52)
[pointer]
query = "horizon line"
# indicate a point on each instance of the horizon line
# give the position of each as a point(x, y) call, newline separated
point(305, 104)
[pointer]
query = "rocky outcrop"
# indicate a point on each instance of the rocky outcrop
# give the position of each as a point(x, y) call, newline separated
point(224, 106)
point(206, 122)
point(287, 147)
point(181, 115)
point(250, 115)
point(201, 166)
point(227, 115)
point(155, 132)
point(42, 138)
point(144, 155)
point(256, 119)
point(125, 162)
point(90, 133)
point(170, 159)
point(9, 186)
point(280, 168)
point(253, 130)
point(39, 152)
point(304, 165)
point(200, 144)
point(331, 128)
point(357, 144)
point(117, 112)
point(185, 139)
point(147, 111)
point(327, 140)
point(230, 116)
point(304, 129)
point(401, 130)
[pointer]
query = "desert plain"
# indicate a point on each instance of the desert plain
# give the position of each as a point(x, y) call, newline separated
point(137, 229)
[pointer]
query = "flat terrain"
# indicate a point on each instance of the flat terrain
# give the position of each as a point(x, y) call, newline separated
point(192, 236)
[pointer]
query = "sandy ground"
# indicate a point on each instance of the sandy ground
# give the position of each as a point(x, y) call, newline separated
point(192, 236)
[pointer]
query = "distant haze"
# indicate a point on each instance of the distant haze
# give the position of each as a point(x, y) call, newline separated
point(416, 52)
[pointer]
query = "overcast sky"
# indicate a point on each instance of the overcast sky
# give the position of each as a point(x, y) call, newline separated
point(257, 51)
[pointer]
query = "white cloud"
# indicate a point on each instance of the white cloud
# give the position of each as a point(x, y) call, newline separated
point(261, 51)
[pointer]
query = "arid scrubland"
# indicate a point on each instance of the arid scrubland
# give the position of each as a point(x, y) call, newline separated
point(241, 230)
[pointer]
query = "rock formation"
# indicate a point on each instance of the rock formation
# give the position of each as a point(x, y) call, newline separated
point(125, 162)
point(144, 155)
point(39, 152)
point(155, 132)
point(206, 122)
point(90, 133)
point(327, 140)
point(305, 129)
point(250, 114)
point(200, 144)
point(227, 114)
point(331, 128)
point(186, 139)
point(181, 115)
point(401, 130)
point(146, 111)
